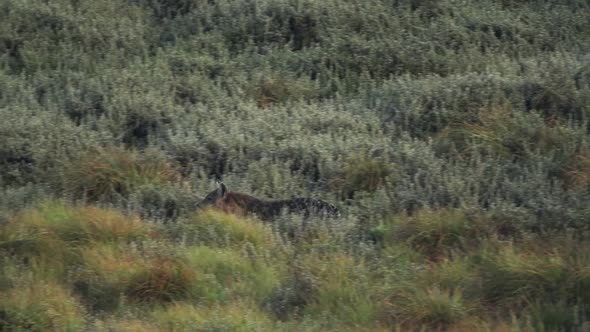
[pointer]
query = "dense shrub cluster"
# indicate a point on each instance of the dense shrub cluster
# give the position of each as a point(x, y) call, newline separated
point(453, 136)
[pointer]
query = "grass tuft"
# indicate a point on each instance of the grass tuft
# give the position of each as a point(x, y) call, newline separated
point(40, 306)
point(361, 174)
point(105, 273)
point(215, 228)
point(111, 272)
point(578, 172)
point(54, 222)
point(230, 274)
point(433, 308)
point(233, 317)
point(435, 232)
point(554, 316)
point(164, 280)
point(454, 274)
point(116, 172)
point(514, 276)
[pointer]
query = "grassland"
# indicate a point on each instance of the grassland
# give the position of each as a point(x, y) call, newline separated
point(453, 135)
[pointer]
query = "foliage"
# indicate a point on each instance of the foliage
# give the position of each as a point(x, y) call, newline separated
point(453, 136)
point(233, 274)
point(234, 317)
point(432, 307)
point(114, 172)
point(212, 228)
point(361, 174)
point(40, 306)
point(436, 232)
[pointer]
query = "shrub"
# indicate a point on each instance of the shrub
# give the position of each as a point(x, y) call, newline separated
point(115, 172)
point(51, 29)
point(34, 142)
point(40, 306)
point(503, 132)
point(171, 9)
point(165, 202)
point(13, 199)
point(280, 90)
point(361, 174)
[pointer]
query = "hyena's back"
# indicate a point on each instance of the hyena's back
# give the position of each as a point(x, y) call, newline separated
point(243, 204)
point(311, 206)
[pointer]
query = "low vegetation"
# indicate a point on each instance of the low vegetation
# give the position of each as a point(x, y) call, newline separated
point(453, 137)
point(439, 269)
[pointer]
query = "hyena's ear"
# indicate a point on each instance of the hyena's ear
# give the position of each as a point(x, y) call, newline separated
point(222, 189)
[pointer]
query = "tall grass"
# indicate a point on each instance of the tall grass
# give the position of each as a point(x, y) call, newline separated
point(38, 306)
point(116, 172)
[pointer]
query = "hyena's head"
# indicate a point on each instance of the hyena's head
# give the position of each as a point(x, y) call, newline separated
point(214, 198)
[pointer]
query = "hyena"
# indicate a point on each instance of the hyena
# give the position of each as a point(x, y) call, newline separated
point(243, 204)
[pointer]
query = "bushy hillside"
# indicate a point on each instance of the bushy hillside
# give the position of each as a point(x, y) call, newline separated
point(454, 137)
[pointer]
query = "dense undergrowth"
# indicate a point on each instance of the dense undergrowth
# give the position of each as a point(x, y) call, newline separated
point(452, 135)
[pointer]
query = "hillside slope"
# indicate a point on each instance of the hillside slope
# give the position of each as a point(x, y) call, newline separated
point(454, 136)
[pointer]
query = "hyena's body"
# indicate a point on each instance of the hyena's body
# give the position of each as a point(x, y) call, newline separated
point(243, 204)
